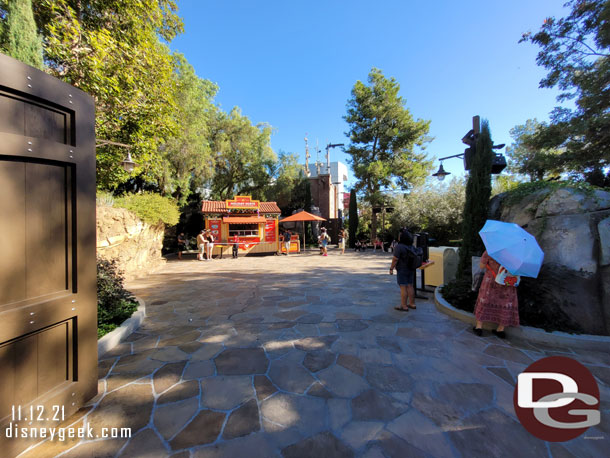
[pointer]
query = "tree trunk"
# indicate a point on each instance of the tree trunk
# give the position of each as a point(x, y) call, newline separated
point(373, 226)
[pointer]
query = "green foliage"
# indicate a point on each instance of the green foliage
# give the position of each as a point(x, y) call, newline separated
point(114, 303)
point(383, 139)
point(476, 206)
point(244, 161)
point(459, 294)
point(576, 52)
point(187, 156)
point(526, 158)
point(352, 218)
point(504, 183)
point(289, 185)
point(434, 209)
point(150, 208)
point(18, 35)
point(104, 199)
point(111, 50)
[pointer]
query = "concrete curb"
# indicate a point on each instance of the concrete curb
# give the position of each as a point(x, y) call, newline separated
point(527, 333)
point(113, 338)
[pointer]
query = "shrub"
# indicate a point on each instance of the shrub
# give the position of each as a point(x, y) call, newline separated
point(114, 303)
point(104, 199)
point(459, 294)
point(150, 208)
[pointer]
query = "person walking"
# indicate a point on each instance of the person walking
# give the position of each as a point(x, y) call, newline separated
point(210, 246)
point(181, 244)
point(496, 303)
point(287, 236)
point(405, 275)
point(201, 245)
point(342, 238)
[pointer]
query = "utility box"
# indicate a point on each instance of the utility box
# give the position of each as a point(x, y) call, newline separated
point(445, 265)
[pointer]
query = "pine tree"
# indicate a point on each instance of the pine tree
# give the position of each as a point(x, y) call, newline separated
point(476, 207)
point(20, 39)
point(353, 218)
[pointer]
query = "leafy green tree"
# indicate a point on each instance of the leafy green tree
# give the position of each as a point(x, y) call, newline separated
point(476, 206)
point(503, 183)
point(289, 187)
point(187, 156)
point(18, 35)
point(112, 49)
point(383, 140)
point(243, 158)
point(576, 52)
point(353, 218)
point(527, 158)
point(436, 209)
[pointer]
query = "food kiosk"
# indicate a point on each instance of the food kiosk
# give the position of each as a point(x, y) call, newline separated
point(250, 223)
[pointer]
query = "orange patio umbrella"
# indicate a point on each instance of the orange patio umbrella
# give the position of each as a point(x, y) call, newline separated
point(302, 216)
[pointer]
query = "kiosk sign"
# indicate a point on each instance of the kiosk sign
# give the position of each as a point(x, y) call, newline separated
point(243, 202)
point(270, 230)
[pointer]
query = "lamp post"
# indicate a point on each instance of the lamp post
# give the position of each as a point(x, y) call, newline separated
point(128, 164)
point(470, 139)
point(328, 147)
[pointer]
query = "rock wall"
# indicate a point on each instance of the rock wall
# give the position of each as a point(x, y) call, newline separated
point(573, 229)
point(134, 244)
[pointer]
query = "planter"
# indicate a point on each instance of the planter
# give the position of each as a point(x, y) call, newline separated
point(113, 338)
point(527, 333)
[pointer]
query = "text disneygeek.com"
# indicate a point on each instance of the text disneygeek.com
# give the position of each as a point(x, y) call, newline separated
point(15, 431)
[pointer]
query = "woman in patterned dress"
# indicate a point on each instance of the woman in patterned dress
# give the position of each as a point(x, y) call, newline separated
point(496, 303)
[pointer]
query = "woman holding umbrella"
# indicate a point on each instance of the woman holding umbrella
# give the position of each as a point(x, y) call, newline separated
point(496, 303)
point(510, 252)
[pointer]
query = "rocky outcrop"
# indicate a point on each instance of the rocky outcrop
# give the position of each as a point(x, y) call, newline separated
point(135, 245)
point(573, 229)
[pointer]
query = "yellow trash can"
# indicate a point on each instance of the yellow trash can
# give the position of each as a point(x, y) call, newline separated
point(445, 264)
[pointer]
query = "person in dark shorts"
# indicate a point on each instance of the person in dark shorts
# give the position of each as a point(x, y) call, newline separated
point(181, 244)
point(404, 275)
point(235, 247)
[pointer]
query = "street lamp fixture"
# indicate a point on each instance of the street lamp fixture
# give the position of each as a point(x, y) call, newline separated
point(441, 174)
point(128, 163)
point(470, 139)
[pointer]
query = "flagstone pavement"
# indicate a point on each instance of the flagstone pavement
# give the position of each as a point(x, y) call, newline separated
point(304, 356)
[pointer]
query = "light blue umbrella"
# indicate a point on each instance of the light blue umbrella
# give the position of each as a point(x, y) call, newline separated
point(512, 247)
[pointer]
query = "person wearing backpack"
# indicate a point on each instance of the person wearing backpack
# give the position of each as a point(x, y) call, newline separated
point(497, 301)
point(404, 260)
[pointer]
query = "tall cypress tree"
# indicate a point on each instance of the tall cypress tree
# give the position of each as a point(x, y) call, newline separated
point(353, 218)
point(476, 207)
point(20, 39)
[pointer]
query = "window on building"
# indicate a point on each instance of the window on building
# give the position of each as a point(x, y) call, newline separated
point(243, 230)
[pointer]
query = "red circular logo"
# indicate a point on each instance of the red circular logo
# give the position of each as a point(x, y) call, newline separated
point(557, 399)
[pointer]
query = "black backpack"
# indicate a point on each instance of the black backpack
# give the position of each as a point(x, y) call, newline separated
point(415, 257)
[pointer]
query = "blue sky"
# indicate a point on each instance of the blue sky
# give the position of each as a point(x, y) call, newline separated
point(292, 64)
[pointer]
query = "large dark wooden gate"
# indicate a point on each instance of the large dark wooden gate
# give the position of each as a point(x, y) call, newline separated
point(48, 307)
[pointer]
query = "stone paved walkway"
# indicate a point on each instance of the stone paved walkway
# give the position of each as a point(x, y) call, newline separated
point(304, 356)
